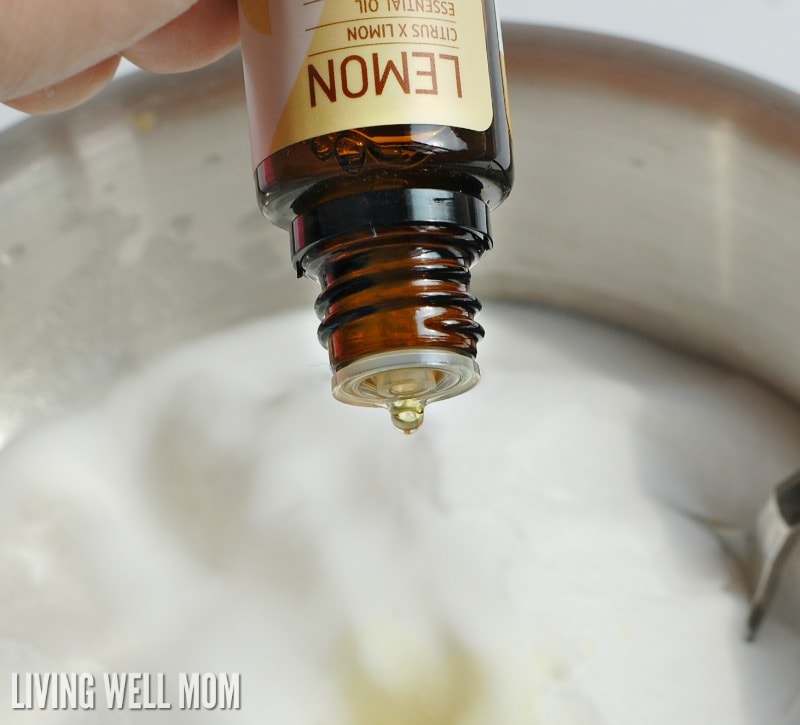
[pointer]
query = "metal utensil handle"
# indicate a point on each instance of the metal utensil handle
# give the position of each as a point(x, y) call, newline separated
point(776, 532)
point(788, 497)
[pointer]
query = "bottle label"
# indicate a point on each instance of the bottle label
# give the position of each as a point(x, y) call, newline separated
point(314, 67)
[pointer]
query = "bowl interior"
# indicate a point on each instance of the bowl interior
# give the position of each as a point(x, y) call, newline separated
point(654, 191)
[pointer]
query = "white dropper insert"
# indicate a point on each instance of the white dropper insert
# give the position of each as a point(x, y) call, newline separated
point(405, 381)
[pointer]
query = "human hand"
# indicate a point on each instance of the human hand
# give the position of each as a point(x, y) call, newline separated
point(54, 55)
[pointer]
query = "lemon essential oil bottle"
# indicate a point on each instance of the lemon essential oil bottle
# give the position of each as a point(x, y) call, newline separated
point(380, 139)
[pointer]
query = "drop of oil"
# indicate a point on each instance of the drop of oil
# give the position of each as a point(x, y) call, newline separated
point(407, 415)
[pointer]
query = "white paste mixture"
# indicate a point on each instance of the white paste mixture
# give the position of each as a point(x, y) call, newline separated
point(520, 561)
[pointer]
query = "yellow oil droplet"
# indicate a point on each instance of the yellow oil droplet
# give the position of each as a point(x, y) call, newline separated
point(407, 415)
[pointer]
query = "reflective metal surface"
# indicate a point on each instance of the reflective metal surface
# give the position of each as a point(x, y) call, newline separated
point(653, 191)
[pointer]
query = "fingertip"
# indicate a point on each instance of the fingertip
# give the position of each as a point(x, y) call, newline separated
point(201, 35)
point(70, 92)
point(43, 42)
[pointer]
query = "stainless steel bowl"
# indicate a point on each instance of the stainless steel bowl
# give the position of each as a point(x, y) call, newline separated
point(654, 191)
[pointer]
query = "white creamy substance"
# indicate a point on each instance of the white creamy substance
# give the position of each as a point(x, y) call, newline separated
point(520, 561)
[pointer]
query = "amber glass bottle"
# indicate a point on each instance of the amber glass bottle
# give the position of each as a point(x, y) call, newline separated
point(381, 141)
